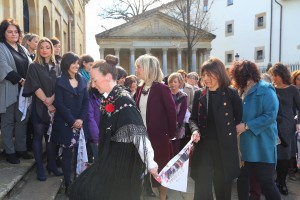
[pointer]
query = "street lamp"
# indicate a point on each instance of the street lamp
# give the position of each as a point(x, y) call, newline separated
point(237, 56)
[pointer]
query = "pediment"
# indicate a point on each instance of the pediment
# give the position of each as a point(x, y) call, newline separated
point(150, 26)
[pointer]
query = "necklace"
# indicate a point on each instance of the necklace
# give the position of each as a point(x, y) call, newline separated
point(144, 91)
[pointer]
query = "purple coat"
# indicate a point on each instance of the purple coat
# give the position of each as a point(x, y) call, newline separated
point(161, 121)
point(93, 117)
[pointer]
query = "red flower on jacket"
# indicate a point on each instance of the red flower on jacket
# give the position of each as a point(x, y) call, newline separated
point(109, 108)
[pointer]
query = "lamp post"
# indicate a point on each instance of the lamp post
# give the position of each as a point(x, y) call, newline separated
point(237, 56)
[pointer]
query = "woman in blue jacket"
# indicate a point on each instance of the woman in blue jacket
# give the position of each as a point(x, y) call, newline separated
point(71, 103)
point(258, 132)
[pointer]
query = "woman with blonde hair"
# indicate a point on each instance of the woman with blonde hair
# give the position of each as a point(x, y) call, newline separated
point(155, 101)
point(40, 83)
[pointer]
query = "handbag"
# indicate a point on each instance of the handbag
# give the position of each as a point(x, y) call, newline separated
point(82, 158)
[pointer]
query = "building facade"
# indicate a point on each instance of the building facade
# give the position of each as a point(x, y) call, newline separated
point(261, 31)
point(155, 33)
point(64, 19)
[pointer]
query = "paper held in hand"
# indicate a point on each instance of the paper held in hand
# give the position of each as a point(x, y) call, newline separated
point(175, 174)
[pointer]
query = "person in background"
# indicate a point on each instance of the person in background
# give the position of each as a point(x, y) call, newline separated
point(175, 81)
point(40, 82)
point(57, 48)
point(71, 101)
point(217, 110)
point(189, 90)
point(192, 79)
point(289, 98)
point(30, 42)
point(85, 63)
point(154, 100)
point(258, 132)
point(93, 119)
point(131, 83)
point(122, 74)
point(125, 151)
point(14, 62)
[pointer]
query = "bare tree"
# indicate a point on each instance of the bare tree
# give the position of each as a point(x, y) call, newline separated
point(125, 9)
point(193, 19)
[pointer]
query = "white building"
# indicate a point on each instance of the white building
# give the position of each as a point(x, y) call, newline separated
point(254, 30)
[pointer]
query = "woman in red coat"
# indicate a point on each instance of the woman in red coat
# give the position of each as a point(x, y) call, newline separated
point(155, 101)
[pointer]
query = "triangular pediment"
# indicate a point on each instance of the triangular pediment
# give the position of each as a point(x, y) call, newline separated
point(155, 25)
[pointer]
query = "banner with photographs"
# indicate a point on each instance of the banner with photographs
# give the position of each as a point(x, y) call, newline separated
point(175, 174)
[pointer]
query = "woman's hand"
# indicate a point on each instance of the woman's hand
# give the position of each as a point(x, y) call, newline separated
point(47, 101)
point(78, 123)
point(195, 136)
point(51, 108)
point(154, 172)
point(240, 128)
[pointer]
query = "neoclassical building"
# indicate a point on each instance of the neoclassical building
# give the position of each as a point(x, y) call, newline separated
point(64, 19)
point(156, 33)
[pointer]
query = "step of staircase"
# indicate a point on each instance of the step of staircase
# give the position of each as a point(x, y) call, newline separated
point(18, 182)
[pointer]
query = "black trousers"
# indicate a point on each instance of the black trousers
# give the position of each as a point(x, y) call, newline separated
point(211, 173)
point(263, 173)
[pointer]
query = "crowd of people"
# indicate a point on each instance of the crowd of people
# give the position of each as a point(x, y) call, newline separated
point(242, 122)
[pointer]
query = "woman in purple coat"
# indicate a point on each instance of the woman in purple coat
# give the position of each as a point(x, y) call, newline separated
point(155, 101)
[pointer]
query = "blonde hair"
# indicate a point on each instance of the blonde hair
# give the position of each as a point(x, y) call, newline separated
point(151, 67)
point(174, 76)
point(39, 58)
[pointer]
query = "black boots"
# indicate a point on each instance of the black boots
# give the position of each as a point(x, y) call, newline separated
point(12, 158)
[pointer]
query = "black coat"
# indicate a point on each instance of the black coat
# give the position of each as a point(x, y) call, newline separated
point(227, 111)
point(71, 104)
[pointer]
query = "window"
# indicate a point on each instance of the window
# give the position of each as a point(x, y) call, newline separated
point(260, 21)
point(259, 54)
point(228, 57)
point(229, 28)
point(205, 5)
point(229, 2)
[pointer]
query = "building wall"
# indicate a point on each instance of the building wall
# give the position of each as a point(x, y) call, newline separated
point(246, 39)
point(63, 19)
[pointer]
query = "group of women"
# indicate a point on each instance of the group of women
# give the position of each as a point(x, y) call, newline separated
point(141, 132)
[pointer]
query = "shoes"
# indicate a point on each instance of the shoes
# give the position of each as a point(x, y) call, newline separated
point(67, 191)
point(58, 161)
point(24, 154)
point(150, 192)
point(12, 158)
point(283, 189)
point(41, 178)
point(54, 171)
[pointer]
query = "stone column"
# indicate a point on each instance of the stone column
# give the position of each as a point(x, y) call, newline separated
point(148, 51)
point(179, 59)
point(165, 61)
point(132, 60)
point(207, 54)
point(101, 50)
point(194, 60)
point(117, 54)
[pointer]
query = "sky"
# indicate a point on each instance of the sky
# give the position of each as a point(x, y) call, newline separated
point(95, 25)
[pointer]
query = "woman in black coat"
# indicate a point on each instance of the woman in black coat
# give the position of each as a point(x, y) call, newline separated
point(216, 111)
point(71, 102)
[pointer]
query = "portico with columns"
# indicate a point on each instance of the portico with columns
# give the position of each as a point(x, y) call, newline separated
point(155, 34)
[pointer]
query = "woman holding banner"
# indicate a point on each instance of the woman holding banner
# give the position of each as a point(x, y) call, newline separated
point(216, 112)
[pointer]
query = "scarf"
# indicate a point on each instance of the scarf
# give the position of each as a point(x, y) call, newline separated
point(85, 74)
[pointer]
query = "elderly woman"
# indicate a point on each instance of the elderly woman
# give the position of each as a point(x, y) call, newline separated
point(30, 42)
point(158, 110)
point(124, 148)
point(258, 132)
point(14, 62)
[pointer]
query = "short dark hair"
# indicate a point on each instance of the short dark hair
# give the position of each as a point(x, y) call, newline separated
point(216, 67)
point(4, 25)
point(85, 58)
point(66, 61)
point(129, 80)
point(121, 72)
point(242, 71)
point(108, 66)
point(54, 40)
point(278, 69)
